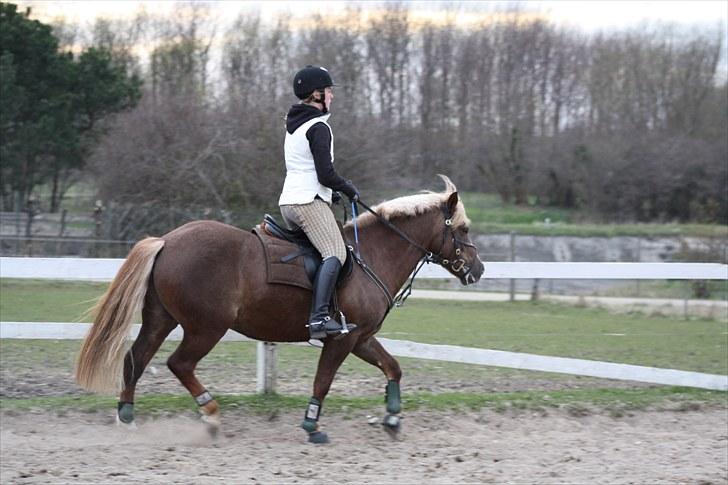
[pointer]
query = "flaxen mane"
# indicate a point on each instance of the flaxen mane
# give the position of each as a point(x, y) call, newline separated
point(412, 205)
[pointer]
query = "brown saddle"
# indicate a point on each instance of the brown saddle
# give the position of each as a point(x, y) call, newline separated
point(290, 258)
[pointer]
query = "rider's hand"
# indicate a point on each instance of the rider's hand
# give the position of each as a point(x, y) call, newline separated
point(335, 197)
point(352, 193)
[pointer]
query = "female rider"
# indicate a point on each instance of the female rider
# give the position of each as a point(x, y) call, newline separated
point(305, 201)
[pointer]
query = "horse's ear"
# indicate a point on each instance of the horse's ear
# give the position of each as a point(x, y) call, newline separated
point(452, 203)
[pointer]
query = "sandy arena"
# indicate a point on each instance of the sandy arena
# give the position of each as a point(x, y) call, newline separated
point(555, 446)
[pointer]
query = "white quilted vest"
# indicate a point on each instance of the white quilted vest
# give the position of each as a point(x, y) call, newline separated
point(301, 185)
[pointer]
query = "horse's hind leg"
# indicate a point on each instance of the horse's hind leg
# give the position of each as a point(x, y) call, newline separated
point(157, 323)
point(372, 351)
point(196, 345)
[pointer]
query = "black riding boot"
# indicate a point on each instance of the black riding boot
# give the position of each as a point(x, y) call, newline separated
point(320, 323)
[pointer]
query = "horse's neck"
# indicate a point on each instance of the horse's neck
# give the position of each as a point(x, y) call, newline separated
point(390, 256)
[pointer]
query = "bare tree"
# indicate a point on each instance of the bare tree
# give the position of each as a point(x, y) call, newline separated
point(521, 108)
point(388, 54)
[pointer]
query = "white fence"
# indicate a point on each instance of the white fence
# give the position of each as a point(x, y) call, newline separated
point(105, 269)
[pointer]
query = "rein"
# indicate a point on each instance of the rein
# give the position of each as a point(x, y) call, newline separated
point(429, 257)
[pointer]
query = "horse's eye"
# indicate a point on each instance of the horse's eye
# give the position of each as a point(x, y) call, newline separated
point(466, 230)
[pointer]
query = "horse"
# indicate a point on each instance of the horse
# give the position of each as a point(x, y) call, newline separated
point(209, 277)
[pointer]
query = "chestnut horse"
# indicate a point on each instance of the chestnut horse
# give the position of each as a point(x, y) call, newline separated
point(210, 277)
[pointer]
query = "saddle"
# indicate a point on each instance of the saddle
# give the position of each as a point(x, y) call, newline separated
point(290, 257)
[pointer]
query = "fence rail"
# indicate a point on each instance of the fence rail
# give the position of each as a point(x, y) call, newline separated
point(105, 270)
point(402, 348)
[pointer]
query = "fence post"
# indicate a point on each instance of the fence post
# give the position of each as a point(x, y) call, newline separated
point(267, 360)
point(512, 282)
point(32, 210)
point(638, 259)
point(534, 290)
point(18, 224)
point(98, 214)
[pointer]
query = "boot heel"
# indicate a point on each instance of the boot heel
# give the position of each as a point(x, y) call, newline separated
point(317, 331)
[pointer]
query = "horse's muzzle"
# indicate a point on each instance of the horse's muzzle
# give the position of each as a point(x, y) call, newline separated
point(473, 274)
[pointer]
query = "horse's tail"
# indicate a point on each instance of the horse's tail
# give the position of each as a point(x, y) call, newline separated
point(100, 362)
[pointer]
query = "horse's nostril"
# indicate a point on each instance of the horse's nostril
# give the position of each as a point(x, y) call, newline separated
point(480, 270)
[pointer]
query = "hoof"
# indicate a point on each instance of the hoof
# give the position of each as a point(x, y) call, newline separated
point(318, 437)
point(213, 431)
point(212, 423)
point(125, 413)
point(131, 425)
point(392, 425)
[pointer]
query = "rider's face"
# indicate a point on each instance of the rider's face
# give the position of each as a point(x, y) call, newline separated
point(328, 97)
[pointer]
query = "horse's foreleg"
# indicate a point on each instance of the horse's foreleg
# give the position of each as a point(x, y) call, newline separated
point(182, 363)
point(157, 323)
point(332, 356)
point(372, 351)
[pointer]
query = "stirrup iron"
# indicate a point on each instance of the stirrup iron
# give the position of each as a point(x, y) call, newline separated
point(329, 327)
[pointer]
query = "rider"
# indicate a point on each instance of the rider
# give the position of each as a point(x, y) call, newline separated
point(305, 201)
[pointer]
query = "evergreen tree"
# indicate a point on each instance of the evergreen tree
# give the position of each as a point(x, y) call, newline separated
point(51, 104)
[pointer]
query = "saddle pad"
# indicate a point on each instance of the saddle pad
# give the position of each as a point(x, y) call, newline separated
point(290, 273)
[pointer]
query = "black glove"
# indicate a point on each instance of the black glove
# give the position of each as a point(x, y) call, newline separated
point(335, 197)
point(351, 192)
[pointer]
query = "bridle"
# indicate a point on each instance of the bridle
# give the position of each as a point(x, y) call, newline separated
point(457, 265)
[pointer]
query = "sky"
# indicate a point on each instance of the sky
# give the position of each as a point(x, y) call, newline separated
point(589, 15)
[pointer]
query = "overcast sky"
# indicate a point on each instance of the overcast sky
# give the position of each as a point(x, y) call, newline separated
point(588, 14)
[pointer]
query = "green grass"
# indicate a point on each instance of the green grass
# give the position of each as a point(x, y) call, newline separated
point(491, 216)
point(538, 328)
point(46, 300)
point(601, 230)
point(558, 330)
point(614, 400)
point(717, 290)
point(488, 207)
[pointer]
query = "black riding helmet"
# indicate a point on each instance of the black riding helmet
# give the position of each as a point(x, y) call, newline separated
point(310, 79)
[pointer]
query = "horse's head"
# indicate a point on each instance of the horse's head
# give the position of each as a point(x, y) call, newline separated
point(454, 250)
point(436, 224)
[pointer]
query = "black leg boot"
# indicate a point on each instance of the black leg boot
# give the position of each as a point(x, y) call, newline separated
point(320, 323)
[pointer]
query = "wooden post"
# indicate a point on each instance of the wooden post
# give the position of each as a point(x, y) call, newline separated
point(534, 290)
point(638, 259)
point(98, 213)
point(512, 283)
point(18, 223)
point(267, 360)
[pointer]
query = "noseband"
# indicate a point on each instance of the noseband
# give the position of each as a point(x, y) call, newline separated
point(457, 265)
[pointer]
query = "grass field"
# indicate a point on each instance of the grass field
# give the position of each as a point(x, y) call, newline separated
point(538, 328)
point(47, 300)
point(490, 215)
point(716, 290)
